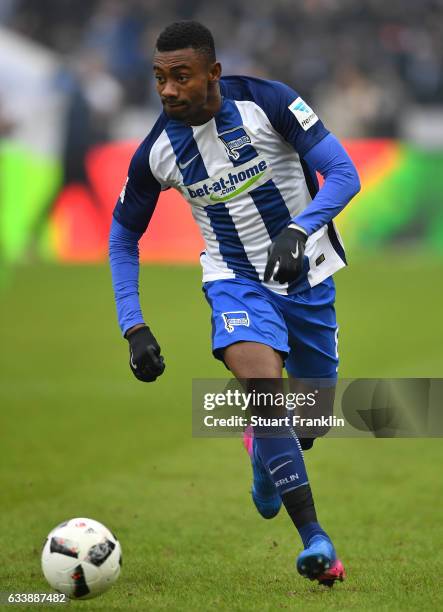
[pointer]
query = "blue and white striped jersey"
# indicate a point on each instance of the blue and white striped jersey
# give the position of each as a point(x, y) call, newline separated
point(245, 175)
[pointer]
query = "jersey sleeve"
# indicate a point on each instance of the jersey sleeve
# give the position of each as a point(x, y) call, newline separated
point(140, 194)
point(124, 262)
point(341, 184)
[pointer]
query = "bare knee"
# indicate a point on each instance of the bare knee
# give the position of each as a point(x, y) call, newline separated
point(248, 360)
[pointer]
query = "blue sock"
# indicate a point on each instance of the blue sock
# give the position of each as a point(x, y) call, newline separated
point(283, 458)
point(308, 531)
point(281, 453)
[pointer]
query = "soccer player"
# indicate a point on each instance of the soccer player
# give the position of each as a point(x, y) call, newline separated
point(244, 153)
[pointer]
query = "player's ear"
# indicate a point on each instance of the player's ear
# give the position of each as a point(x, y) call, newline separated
point(215, 72)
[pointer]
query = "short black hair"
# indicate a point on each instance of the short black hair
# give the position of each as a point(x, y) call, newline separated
point(185, 35)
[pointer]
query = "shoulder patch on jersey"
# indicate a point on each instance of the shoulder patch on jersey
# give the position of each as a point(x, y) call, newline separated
point(303, 113)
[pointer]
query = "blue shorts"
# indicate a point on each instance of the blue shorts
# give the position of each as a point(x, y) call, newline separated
point(301, 326)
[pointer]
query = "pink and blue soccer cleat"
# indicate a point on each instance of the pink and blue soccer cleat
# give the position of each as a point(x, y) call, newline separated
point(264, 494)
point(319, 562)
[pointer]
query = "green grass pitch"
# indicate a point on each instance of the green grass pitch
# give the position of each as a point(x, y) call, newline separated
point(81, 437)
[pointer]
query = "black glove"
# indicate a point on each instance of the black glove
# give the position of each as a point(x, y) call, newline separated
point(144, 355)
point(285, 256)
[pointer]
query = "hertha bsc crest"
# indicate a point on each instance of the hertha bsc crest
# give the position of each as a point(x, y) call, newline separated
point(234, 319)
point(233, 140)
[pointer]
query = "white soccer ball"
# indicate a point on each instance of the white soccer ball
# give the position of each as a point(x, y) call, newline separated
point(81, 558)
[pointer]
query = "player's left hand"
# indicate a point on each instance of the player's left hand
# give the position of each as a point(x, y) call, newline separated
point(285, 255)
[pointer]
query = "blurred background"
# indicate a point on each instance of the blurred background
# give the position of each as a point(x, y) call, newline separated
point(76, 95)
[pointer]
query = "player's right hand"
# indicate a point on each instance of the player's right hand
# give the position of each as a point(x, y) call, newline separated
point(145, 359)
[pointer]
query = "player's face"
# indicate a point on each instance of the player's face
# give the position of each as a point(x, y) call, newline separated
point(187, 84)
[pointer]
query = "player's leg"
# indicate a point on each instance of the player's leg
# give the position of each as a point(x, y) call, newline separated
point(244, 359)
point(250, 335)
point(255, 360)
point(243, 314)
point(278, 450)
point(312, 367)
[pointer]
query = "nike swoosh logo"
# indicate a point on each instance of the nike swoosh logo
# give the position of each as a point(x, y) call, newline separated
point(186, 164)
point(295, 255)
point(276, 268)
point(280, 466)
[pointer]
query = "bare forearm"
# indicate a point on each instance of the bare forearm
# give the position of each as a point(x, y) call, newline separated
point(133, 329)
